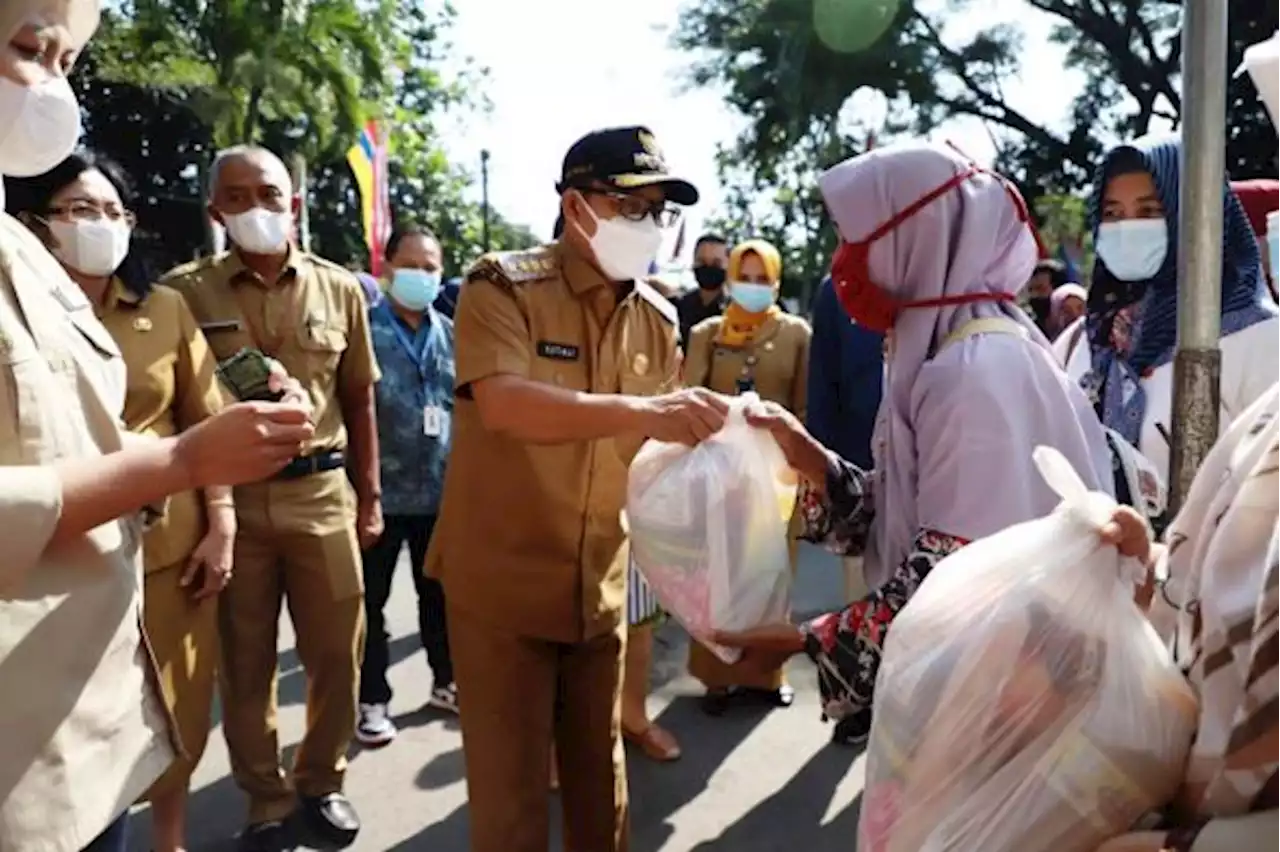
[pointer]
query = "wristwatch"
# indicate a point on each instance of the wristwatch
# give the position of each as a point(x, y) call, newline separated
point(1181, 839)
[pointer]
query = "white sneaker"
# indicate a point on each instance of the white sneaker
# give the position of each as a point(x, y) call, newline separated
point(444, 698)
point(374, 727)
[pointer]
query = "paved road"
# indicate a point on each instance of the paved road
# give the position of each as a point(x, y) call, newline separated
point(749, 782)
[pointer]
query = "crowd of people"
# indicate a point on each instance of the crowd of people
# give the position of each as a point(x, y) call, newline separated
point(182, 454)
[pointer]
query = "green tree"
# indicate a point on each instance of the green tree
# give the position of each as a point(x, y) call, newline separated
point(147, 101)
point(790, 65)
point(317, 65)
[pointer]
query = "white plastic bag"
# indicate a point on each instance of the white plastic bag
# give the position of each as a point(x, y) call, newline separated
point(708, 528)
point(1024, 702)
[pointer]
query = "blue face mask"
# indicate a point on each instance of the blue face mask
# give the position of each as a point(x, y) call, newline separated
point(415, 289)
point(1133, 249)
point(752, 298)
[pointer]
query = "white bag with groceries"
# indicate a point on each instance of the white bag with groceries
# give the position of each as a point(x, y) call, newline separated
point(1023, 701)
point(708, 528)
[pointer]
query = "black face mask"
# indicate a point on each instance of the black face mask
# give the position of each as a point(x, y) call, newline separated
point(1040, 309)
point(709, 277)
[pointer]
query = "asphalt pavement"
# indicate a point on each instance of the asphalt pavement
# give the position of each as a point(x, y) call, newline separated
point(752, 781)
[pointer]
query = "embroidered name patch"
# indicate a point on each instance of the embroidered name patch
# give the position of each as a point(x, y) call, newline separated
point(557, 351)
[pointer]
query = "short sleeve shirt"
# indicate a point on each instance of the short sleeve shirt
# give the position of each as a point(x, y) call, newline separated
point(313, 319)
point(171, 387)
point(532, 529)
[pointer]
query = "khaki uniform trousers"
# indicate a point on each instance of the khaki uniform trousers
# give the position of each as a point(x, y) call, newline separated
point(716, 674)
point(183, 633)
point(518, 694)
point(318, 576)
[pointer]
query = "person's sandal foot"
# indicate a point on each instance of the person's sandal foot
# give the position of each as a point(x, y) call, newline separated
point(655, 743)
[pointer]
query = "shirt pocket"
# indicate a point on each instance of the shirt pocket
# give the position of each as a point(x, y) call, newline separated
point(22, 373)
point(322, 347)
point(631, 384)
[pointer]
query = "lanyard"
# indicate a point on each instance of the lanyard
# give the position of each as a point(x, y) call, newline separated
point(419, 359)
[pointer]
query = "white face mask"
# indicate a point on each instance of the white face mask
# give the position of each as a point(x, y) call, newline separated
point(624, 249)
point(259, 231)
point(90, 247)
point(1133, 249)
point(39, 126)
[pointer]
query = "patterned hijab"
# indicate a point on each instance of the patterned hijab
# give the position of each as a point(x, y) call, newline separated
point(1133, 325)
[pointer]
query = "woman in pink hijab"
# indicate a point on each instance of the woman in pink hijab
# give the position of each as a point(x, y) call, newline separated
point(934, 251)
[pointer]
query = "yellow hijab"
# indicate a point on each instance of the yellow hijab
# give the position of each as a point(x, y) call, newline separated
point(739, 326)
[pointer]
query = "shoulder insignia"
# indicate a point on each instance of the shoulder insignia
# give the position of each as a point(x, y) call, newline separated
point(514, 267)
point(328, 265)
point(174, 277)
point(660, 303)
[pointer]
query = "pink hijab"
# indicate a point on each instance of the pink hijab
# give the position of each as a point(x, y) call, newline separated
point(957, 425)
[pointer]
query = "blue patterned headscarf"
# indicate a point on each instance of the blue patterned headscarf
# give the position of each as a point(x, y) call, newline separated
point(1115, 382)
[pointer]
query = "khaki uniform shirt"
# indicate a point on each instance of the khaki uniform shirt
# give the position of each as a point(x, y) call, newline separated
point(315, 322)
point(83, 732)
point(528, 534)
point(777, 359)
point(171, 387)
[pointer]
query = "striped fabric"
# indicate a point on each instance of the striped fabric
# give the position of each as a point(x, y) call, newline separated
point(1152, 305)
point(1224, 565)
point(642, 603)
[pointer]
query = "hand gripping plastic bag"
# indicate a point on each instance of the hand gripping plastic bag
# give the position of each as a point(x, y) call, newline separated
point(1024, 704)
point(708, 528)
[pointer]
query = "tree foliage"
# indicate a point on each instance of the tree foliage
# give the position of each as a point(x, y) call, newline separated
point(167, 82)
point(789, 66)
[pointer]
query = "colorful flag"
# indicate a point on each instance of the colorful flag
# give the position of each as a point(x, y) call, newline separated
point(368, 161)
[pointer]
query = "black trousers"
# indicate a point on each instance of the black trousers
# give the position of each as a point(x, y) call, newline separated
point(379, 568)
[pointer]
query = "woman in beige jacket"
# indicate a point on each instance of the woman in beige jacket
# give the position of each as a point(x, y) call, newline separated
point(83, 730)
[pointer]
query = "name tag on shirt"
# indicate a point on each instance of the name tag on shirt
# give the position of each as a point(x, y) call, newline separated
point(432, 421)
point(557, 351)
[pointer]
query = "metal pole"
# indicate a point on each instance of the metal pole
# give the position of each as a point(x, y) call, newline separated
point(484, 194)
point(304, 196)
point(1197, 362)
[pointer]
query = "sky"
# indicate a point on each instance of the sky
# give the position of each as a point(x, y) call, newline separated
point(561, 68)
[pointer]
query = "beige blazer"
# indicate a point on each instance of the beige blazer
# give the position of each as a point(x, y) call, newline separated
point(82, 730)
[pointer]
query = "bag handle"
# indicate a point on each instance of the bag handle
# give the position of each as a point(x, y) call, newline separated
point(1093, 508)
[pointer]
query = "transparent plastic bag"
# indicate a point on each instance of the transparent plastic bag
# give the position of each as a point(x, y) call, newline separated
point(708, 528)
point(1024, 703)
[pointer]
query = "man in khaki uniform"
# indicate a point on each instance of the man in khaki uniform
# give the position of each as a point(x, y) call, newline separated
point(566, 361)
point(298, 531)
point(83, 731)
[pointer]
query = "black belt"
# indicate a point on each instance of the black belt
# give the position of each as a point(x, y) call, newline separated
point(314, 463)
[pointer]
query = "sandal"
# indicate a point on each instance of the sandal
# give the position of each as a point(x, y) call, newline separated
point(655, 743)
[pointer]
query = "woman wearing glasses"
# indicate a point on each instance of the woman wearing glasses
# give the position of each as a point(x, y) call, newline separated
point(79, 210)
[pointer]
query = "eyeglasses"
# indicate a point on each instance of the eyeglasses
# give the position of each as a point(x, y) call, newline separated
point(635, 208)
point(86, 211)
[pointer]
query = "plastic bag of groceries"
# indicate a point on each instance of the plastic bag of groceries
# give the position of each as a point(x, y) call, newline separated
point(1023, 701)
point(708, 528)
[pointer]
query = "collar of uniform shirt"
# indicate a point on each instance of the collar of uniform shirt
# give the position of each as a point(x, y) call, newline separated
point(294, 267)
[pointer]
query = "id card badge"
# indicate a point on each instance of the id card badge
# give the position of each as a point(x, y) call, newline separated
point(432, 421)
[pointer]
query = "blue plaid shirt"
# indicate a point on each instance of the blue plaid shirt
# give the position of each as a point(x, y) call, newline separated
point(417, 374)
